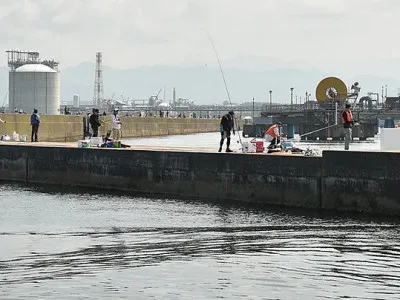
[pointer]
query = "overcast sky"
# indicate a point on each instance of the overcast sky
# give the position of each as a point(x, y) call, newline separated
point(356, 36)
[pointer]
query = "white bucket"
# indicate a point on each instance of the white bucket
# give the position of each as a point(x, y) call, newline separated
point(15, 137)
point(248, 147)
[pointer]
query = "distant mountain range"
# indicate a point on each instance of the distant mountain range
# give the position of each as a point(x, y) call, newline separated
point(203, 84)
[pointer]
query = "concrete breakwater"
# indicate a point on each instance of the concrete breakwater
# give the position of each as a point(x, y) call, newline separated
point(67, 128)
point(345, 181)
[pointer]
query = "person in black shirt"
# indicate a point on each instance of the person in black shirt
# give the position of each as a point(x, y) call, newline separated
point(226, 125)
point(35, 122)
point(95, 123)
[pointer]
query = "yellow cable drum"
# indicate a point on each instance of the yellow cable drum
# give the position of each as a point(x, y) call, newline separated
point(331, 88)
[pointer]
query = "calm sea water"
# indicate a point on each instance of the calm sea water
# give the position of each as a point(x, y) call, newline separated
point(81, 244)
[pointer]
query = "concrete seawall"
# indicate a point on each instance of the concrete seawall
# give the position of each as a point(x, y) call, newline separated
point(346, 181)
point(361, 181)
point(70, 128)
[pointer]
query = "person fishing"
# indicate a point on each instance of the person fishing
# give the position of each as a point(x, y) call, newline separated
point(348, 123)
point(116, 125)
point(35, 122)
point(226, 125)
point(273, 135)
point(95, 122)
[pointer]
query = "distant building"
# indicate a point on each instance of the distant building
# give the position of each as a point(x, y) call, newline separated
point(76, 101)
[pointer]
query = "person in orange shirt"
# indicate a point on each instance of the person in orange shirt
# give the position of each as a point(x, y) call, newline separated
point(273, 135)
point(348, 122)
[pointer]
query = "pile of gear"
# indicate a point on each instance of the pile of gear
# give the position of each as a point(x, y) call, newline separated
point(102, 142)
point(5, 137)
point(112, 143)
point(312, 152)
point(287, 147)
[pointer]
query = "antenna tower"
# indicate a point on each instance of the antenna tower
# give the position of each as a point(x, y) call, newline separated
point(98, 97)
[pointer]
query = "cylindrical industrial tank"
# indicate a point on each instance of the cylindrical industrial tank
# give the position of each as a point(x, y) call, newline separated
point(76, 101)
point(248, 120)
point(35, 86)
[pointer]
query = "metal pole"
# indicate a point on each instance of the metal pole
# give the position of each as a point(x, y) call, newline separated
point(385, 91)
point(270, 102)
point(291, 98)
point(336, 107)
point(253, 108)
point(306, 100)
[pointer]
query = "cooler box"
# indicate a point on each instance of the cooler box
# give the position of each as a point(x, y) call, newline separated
point(96, 141)
point(259, 145)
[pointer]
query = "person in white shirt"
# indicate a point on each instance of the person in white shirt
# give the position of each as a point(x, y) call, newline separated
point(116, 125)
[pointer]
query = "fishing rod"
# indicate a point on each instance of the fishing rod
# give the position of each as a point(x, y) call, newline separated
point(5, 97)
point(327, 127)
point(311, 132)
point(225, 84)
point(332, 125)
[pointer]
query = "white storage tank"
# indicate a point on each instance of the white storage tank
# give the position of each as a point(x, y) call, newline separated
point(35, 86)
point(76, 101)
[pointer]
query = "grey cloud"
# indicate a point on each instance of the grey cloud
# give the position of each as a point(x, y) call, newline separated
point(169, 32)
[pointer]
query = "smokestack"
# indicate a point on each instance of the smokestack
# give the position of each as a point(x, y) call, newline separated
point(173, 96)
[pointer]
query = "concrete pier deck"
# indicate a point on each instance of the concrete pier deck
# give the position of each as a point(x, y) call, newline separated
point(198, 149)
point(339, 180)
point(135, 147)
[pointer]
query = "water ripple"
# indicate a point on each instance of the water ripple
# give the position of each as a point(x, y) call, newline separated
point(66, 247)
point(358, 259)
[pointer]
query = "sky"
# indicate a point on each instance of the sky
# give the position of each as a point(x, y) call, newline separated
point(339, 37)
point(331, 34)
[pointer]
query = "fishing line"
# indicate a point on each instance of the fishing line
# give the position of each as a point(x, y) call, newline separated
point(220, 68)
point(4, 101)
point(223, 78)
